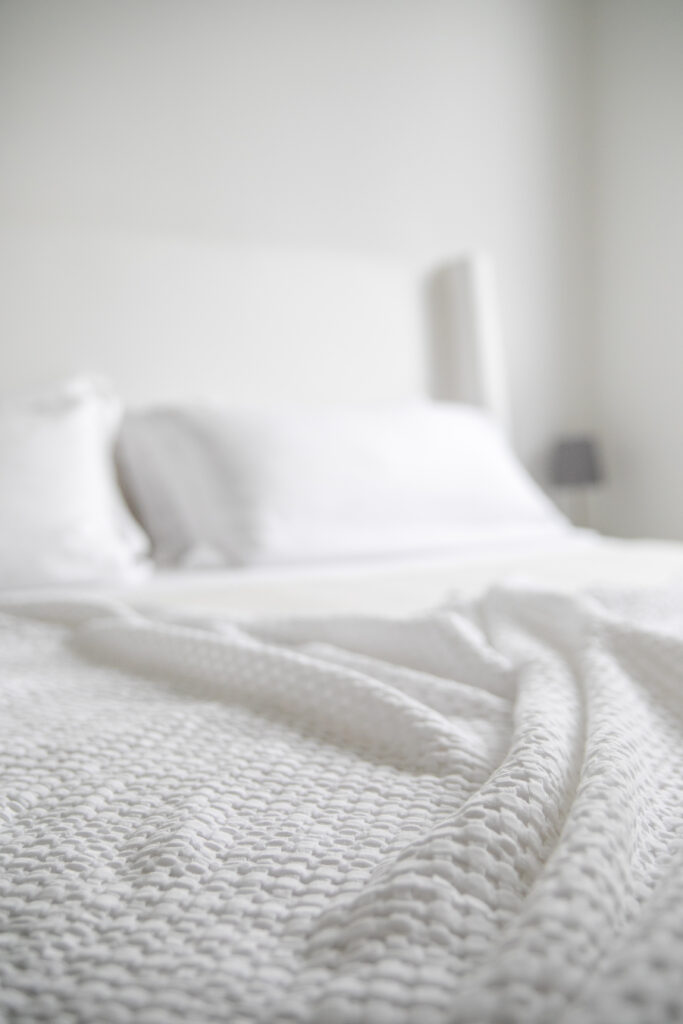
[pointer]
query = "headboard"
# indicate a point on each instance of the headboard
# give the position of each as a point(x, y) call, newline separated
point(165, 319)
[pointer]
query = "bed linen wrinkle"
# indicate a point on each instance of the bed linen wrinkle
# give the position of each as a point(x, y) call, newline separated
point(440, 643)
point(281, 822)
point(235, 666)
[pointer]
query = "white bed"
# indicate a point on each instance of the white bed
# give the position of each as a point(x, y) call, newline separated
point(419, 789)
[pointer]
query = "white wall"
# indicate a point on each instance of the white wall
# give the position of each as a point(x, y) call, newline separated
point(405, 127)
point(639, 200)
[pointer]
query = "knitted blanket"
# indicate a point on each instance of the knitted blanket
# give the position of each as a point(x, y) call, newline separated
point(473, 816)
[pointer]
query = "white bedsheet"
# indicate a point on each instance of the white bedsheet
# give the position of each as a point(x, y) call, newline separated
point(470, 816)
point(411, 585)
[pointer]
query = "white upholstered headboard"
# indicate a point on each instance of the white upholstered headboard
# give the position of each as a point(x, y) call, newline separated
point(165, 320)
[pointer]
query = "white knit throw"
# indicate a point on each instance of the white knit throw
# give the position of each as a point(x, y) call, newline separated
point(474, 816)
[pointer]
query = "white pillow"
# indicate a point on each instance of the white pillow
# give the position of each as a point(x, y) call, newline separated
point(218, 487)
point(62, 517)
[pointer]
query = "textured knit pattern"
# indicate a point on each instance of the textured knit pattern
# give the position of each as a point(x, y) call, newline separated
point(475, 816)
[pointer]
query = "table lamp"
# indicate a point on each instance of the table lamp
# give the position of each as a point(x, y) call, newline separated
point(576, 464)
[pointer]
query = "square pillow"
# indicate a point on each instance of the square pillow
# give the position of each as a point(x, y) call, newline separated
point(63, 519)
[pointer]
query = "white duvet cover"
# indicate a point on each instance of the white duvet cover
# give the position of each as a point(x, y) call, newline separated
point(474, 815)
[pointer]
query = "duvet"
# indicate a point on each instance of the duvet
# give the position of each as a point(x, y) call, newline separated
point(471, 816)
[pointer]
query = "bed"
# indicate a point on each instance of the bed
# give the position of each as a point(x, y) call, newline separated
point(400, 784)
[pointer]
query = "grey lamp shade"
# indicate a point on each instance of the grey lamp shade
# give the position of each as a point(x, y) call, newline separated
point(575, 462)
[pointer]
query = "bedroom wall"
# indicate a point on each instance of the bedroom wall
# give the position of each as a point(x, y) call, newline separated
point(639, 202)
point(386, 127)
